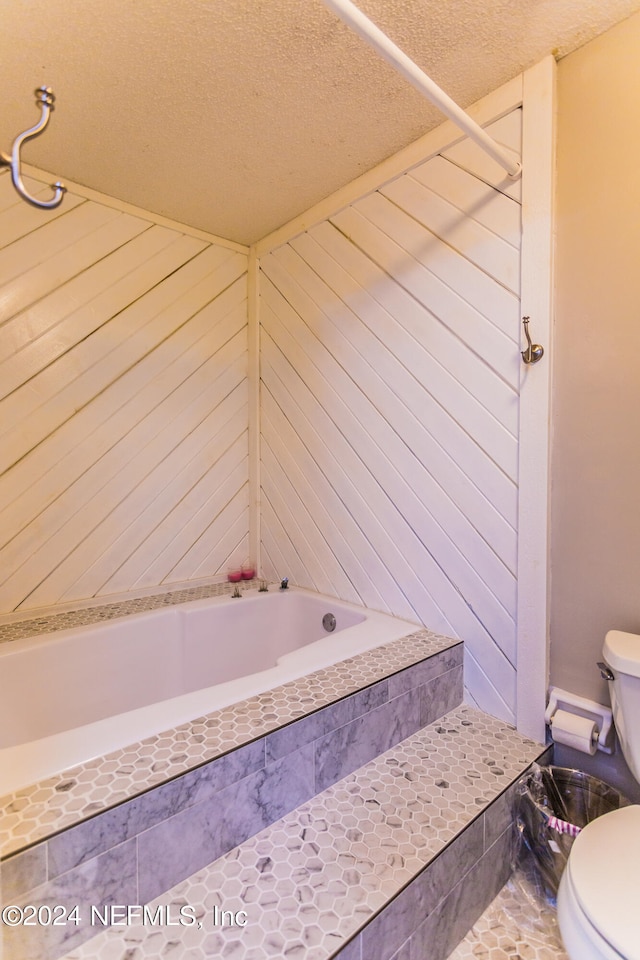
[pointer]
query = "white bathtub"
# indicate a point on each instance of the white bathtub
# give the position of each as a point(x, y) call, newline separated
point(76, 694)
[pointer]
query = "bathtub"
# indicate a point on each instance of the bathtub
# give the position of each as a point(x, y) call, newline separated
point(76, 694)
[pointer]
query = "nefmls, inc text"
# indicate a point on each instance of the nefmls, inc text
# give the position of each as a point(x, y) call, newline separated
point(127, 915)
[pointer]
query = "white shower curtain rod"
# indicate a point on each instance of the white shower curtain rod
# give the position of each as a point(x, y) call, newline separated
point(361, 24)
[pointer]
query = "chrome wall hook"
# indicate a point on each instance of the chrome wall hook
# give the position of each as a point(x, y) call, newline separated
point(534, 351)
point(45, 99)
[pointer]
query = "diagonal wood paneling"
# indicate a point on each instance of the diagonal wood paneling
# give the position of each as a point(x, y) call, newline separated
point(390, 373)
point(389, 405)
point(123, 403)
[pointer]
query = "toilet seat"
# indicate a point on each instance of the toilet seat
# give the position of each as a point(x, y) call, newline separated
point(603, 883)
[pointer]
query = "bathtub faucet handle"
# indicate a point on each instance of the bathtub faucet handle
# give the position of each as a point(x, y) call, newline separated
point(284, 583)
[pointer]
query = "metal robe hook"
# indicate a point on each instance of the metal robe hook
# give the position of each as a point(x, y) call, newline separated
point(45, 98)
point(534, 351)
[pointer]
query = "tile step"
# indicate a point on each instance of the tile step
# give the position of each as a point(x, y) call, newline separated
point(396, 860)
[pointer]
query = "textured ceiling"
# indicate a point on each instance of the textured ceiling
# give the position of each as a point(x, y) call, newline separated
point(233, 116)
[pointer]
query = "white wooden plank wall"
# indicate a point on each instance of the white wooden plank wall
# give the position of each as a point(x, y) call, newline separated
point(123, 403)
point(390, 369)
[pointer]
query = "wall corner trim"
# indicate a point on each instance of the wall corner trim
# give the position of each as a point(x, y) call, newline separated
point(253, 320)
point(538, 160)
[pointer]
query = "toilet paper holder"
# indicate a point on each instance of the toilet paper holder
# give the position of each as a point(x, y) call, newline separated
point(563, 700)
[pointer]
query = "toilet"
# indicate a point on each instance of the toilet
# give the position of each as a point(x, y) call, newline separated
point(599, 895)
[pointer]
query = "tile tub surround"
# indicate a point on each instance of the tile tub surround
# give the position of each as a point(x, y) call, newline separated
point(219, 804)
point(38, 811)
point(396, 860)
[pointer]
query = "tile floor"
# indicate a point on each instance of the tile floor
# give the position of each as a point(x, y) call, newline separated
point(516, 926)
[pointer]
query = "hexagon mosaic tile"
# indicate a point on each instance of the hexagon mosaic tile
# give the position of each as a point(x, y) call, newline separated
point(309, 882)
point(51, 623)
point(68, 798)
point(518, 925)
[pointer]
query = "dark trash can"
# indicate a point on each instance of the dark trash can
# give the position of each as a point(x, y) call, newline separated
point(554, 804)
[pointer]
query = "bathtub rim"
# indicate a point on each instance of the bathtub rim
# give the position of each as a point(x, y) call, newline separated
point(372, 633)
point(109, 734)
point(175, 619)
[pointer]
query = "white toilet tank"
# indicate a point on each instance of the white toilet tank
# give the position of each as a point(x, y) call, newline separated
point(622, 654)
